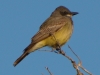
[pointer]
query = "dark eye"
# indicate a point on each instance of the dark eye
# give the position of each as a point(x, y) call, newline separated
point(63, 13)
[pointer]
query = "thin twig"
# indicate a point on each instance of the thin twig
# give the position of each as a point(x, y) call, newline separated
point(48, 70)
point(59, 51)
point(85, 70)
point(80, 62)
point(73, 63)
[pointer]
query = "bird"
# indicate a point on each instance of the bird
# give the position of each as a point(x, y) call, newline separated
point(55, 31)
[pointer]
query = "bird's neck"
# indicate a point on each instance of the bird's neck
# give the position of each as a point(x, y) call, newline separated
point(55, 14)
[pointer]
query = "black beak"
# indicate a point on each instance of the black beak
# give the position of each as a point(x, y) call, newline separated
point(74, 13)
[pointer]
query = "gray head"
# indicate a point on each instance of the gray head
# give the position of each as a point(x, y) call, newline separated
point(63, 11)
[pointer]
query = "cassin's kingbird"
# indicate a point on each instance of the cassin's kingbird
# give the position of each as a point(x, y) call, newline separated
point(57, 28)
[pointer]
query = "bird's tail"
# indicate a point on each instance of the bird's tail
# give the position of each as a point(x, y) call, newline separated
point(20, 58)
point(26, 52)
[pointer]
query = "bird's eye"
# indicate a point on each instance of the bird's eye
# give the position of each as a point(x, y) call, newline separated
point(63, 13)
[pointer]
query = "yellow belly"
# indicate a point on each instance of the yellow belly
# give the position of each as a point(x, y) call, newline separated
point(62, 36)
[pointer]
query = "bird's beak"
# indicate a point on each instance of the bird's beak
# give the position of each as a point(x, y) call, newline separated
point(74, 13)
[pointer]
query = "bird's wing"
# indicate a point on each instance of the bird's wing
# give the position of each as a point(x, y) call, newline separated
point(51, 25)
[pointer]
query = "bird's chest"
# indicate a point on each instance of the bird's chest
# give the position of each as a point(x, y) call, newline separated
point(61, 36)
point(64, 34)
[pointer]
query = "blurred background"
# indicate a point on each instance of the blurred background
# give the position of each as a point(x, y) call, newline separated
point(21, 19)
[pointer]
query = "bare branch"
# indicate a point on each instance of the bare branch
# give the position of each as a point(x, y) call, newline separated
point(59, 51)
point(75, 55)
point(48, 70)
point(85, 70)
point(80, 62)
point(73, 63)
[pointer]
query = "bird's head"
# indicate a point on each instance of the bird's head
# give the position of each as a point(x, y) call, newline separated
point(63, 11)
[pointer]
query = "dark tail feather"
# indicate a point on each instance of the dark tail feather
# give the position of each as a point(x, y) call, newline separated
point(26, 52)
point(20, 58)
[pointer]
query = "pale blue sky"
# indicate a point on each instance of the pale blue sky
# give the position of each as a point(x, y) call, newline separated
point(20, 20)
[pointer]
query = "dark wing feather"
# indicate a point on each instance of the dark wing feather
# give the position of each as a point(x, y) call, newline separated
point(51, 25)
